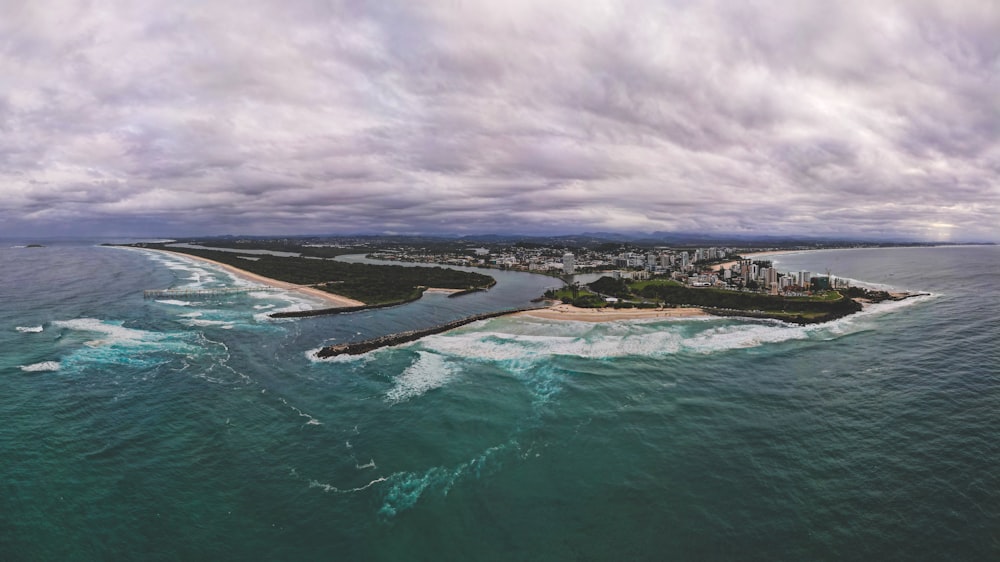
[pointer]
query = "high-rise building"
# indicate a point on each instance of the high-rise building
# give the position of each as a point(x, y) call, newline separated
point(772, 276)
point(569, 264)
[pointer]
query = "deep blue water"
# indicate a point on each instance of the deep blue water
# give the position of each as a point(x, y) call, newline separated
point(181, 430)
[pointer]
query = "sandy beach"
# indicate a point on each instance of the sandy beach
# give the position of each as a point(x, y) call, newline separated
point(570, 312)
point(756, 256)
point(333, 299)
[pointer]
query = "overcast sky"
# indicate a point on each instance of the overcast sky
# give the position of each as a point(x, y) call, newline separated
point(855, 118)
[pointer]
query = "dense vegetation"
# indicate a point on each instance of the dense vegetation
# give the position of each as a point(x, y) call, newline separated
point(371, 284)
point(611, 287)
point(573, 294)
point(820, 308)
point(738, 300)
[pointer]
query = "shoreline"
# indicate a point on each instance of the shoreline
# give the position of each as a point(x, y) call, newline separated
point(442, 290)
point(572, 313)
point(756, 255)
point(338, 300)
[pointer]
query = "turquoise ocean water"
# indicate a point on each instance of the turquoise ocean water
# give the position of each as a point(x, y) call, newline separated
point(202, 430)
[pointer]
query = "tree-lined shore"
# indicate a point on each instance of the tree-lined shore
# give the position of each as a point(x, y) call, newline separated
point(370, 284)
point(812, 309)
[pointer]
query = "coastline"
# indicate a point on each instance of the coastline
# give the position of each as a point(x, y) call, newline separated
point(337, 300)
point(572, 313)
point(442, 290)
point(756, 255)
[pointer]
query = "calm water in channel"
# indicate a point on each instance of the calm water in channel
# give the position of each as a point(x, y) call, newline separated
point(201, 429)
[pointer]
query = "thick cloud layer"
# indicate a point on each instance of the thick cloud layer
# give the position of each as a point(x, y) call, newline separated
point(856, 118)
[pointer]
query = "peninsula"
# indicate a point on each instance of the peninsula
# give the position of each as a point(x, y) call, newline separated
point(349, 286)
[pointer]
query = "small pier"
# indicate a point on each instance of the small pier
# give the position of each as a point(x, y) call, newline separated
point(187, 293)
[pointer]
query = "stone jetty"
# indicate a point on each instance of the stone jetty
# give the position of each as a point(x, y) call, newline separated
point(336, 310)
point(359, 347)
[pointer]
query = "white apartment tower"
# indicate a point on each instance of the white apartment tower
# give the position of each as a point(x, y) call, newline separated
point(569, 264)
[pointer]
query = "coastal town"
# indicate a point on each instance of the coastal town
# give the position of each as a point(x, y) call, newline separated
point(743, 269)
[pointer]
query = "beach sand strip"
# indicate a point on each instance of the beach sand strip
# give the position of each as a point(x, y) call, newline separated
point(336, 300)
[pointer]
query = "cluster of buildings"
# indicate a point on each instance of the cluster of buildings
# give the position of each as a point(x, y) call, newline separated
point(697, 267)
point(563, 261)
point(757, 275)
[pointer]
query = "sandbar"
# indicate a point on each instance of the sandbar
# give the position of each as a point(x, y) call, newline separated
point(337, 300)
point(576, 314)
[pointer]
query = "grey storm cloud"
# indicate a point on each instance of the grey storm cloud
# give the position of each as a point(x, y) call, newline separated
point(854, 118)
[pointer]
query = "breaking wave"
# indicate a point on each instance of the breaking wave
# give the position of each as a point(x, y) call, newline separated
point(117, 344)
point(114, 332)
point(428, 372)
point(29, 329)
point(527, 339)
point(175, 302)
point(44, 366)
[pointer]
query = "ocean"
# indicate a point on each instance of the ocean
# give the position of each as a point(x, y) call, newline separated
point(201, 429)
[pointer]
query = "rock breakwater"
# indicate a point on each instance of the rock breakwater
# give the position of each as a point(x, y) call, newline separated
point(357, 348)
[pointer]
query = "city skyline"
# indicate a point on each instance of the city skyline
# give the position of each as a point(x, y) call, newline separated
point(855, 120)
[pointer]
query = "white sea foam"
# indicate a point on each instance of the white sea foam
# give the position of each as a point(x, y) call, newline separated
point(311, 420)
point(29, 329)
point(175, 302)
point(360, 359)
point(428, 372)
point(115, 333)
point(627, 339)
point(406, 488)
point(523, 339)
point(742, 336)
point(297, 305)
point(496, 346)
point(203, 275)
point(330, 488)
point(886, 307)
point(44, 366)
point(200, 273)
point(120, 345)
point(195, 321)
